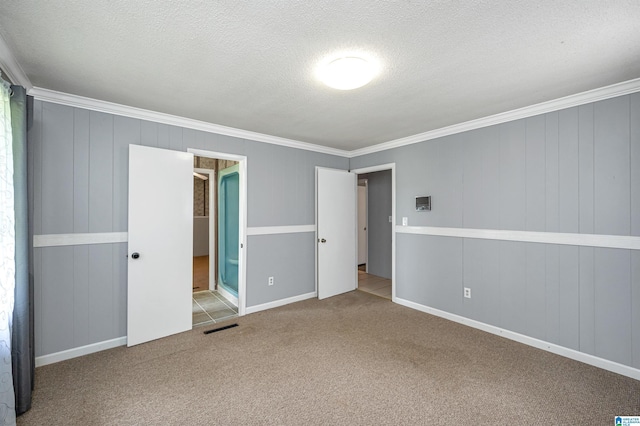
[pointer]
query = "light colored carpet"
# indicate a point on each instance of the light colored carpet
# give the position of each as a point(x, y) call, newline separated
point(354, 359)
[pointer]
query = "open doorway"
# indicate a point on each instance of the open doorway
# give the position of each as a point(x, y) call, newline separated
point(375, 232)
point(216, 235)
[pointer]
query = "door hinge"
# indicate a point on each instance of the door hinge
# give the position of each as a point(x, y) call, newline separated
point(241, 245)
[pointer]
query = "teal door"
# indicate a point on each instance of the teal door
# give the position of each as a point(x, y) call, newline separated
point(228, 228)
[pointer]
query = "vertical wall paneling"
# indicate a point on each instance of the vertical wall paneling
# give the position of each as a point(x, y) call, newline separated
point(293, 277)
point(38, 302)
point(535, 176)
point(163, 136)
point(474, 186)
point(552, 171)
point(513, 285)
point(586, 172)
point(490, 141)
point(535, 296)
point(552, 201)
point(442, 179)
point(568, 221)
point(635, 308)
point(613, 305)
point(437, 280)
point(262, 200)
point(472, 277)
point(35, 143)
point(80, 296)
point(634, 162)
point(579, 172)
point(100, 172)
point(57, 300)
point(126, 131)
point(512, 175)
point(587, 300)
point(79, 172)
point(175, 138)
point(57, 169)
point(569, 297)
point(149, 133)
point(81, 136)
point(481, 272)
point(612, 178)
point(119, 289)
point(568, 171)
point(101, 304)
point(189, 139)
point(415, 181)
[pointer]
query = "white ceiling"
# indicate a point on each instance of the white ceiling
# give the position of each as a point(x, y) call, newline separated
point(250, 64)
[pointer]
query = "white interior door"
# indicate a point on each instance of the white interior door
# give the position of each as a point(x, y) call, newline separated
point(160, 243)
point(362, 224)
point(336, 231)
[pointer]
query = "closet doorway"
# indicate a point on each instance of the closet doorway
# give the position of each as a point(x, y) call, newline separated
point(375, 232)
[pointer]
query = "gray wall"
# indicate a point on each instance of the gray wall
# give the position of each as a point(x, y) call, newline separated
point(79, 168)
point(575, 170)
point(379, 229)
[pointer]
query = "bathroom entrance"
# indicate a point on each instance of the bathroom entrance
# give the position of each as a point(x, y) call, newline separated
point(216, 239)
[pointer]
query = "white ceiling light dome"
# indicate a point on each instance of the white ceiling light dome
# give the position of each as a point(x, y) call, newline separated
point(347, 73)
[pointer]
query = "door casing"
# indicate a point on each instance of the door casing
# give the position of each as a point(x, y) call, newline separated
point(378, 168)
point(242, 255)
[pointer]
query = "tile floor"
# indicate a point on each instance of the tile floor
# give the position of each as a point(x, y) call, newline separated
point(374, 284)
point(209, 307)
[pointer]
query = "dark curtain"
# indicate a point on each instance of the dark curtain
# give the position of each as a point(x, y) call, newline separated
point(22, 350)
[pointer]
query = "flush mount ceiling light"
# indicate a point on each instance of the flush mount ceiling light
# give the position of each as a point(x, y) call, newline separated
point(347, 73)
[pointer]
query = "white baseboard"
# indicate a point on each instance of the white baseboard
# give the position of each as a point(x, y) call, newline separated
point(80, 351)
point(281, 302)
point(615, 367)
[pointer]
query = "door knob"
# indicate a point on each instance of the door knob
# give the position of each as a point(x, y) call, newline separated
point(135, 255)
point(323, 240)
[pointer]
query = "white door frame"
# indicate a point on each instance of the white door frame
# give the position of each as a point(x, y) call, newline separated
point(212, 224)
point(378, 168)
point(242, 250)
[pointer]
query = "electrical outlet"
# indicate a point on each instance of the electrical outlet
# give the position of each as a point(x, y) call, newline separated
point(405, 221)
point(270, 280)
point(390, 219)
point(467, 292)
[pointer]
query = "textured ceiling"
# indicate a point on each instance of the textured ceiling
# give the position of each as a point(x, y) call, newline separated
point(250, 64)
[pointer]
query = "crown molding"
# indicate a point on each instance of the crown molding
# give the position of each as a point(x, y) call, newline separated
point(618, 89)
point(11, 67)
point(173, 120)
point(607, 92)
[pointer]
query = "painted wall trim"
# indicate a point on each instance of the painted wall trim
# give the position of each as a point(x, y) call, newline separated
point(599, 94)
point(281, 302)
point(615, 367)
point(80, 351)
point(173, 120)
point(587, 240)
point(270, 230)
point(11, 67)
point(53, 240)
